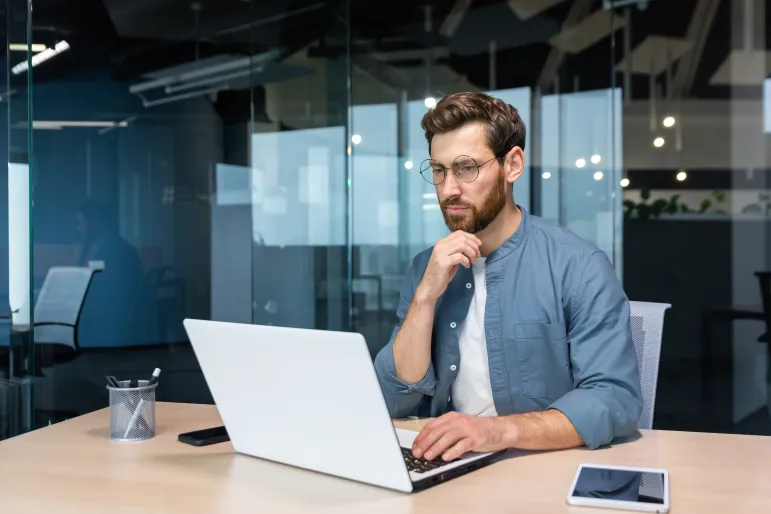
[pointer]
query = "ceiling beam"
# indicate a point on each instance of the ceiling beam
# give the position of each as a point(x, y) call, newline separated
point(578, 11)
point(455, 17)
point(698, 30)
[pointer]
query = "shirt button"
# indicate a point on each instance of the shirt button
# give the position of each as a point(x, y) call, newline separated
point(448, 399)
point(468, 285)
point(453, 325)
point(453, 367)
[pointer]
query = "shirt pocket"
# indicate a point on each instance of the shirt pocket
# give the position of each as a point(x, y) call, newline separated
point(542, 355)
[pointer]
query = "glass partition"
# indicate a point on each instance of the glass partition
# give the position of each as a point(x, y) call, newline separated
point(258, 163)
point(16, 309)
point(190, 162)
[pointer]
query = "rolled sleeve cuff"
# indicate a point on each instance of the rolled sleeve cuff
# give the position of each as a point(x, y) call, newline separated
point(426, 385)
point(589, 415)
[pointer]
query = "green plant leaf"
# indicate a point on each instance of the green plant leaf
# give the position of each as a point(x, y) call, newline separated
point(645, 193)
point(718, 195)
point(671, 208)
point(658, 206)
point(705, 205)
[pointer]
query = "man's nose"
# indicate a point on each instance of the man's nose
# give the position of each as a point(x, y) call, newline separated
point(450, 186)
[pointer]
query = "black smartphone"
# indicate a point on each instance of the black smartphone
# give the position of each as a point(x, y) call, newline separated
point(205, 437)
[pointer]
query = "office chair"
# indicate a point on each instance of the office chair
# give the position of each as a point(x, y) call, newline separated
point(57, 313)
point(647, 320)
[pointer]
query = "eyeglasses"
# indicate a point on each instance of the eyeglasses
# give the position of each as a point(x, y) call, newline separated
point(464, 167)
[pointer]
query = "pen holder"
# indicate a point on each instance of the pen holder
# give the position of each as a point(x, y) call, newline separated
point(132, 411)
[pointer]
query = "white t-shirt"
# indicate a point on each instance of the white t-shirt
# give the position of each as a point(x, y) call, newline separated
point(471, 392)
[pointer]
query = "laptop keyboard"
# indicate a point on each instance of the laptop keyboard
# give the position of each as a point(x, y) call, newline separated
point(422, 465)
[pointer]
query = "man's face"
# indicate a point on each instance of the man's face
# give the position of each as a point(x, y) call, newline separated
point(469, 206)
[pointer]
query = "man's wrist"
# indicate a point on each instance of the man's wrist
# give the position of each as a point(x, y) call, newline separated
point(423, 298)
point(509, 431)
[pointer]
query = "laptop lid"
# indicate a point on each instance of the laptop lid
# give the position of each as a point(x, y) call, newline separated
point(307, 398)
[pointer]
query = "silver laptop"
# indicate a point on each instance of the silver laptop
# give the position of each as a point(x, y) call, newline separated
point(311, 399)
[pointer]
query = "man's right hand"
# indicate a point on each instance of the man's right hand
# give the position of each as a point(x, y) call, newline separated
point(459, 248)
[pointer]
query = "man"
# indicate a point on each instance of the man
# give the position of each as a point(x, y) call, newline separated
point(513, 332)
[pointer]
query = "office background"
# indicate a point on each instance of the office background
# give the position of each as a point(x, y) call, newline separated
point(257, 162)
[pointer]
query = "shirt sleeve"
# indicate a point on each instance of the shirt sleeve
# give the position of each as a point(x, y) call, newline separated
point(606, 402)
point(401, 398)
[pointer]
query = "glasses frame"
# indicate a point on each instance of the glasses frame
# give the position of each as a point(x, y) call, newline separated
point(424, 168)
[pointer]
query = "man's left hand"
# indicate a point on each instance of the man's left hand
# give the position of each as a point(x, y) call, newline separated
point(454, 434)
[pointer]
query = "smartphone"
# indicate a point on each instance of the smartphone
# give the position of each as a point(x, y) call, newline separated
point(620, 487)
point(205, 437)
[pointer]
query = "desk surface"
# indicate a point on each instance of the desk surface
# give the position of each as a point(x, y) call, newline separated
point(73, 467)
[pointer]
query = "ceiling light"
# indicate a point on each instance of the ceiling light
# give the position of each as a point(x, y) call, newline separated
point(669, 121)
point(546, 175)
point(596, 159)
point(681, 176)
point(43, 56)
point(409, 165)
point(431, 207)
point(598, 175)
point(429, 196)
point(22, 47)
point(580, 163)
point(430, 102)
point(51, 124)
point(624, 182)
point(658, 142)
point(356, 139)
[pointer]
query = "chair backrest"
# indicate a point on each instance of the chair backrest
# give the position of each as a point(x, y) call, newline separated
point(647, 320)
point(59, 304)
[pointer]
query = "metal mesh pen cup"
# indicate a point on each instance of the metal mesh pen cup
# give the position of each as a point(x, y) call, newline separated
point(132, 411)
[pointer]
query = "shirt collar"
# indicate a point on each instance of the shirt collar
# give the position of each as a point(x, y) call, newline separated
point(516, 239)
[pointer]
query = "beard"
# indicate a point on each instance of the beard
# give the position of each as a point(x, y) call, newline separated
point(476, 219)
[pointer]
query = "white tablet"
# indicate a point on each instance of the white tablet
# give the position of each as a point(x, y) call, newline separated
point(620, 487)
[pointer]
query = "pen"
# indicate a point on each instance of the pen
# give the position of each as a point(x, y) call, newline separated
point(134, 417)
point(154, 378)
point(113, 381)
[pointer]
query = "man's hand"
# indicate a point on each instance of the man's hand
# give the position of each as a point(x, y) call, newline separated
point(454, 434)
point(457, 248)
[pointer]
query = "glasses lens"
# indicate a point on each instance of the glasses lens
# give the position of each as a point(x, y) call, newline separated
point(465, 168)
point(432, 171)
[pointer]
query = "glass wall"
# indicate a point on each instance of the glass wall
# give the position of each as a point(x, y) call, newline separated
point(259, 163)
point(189, 161)
point(16, 383)
point(696, 222)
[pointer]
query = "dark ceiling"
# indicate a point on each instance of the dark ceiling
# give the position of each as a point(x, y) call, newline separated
point(128, 38)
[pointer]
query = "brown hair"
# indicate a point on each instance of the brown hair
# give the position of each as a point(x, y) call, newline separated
point(503, 126)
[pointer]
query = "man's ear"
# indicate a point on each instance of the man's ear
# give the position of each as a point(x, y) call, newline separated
point(514, 164)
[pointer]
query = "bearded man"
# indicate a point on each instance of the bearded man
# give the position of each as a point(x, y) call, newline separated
point(512, 332)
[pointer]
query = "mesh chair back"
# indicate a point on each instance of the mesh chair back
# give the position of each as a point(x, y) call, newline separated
point(59, 305)
point(647, 320)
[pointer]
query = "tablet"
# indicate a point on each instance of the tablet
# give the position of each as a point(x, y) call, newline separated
point(620, 487)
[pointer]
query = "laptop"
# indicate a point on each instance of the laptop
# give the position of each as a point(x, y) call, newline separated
point(311, 399)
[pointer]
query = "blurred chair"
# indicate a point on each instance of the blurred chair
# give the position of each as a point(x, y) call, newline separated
point(57, 314)
point(647, 321)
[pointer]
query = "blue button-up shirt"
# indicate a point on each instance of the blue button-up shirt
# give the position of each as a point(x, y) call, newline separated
point(557, 330)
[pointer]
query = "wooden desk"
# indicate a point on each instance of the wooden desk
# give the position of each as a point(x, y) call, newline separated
point(73, 467)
